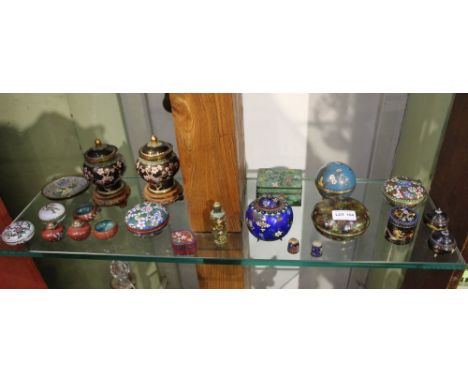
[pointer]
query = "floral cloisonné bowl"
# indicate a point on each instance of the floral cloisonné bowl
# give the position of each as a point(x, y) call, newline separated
point(269, 218)
point(146, 218)
point(335, 179)
point(404, 191)
point(340, 219)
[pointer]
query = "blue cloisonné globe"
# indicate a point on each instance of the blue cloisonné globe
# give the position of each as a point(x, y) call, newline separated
point(335, 179)
point(269, 218)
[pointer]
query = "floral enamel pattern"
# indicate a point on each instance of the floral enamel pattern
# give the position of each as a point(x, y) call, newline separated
point(146, 216)
point(156, 173)
point(105, 175)
point(404, 191)
point(269, 218)
point(52, 212)
point(65, 187)
point(18, 232)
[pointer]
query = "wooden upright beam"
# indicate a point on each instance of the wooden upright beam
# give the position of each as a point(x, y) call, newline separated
point(210, 140)
point(209, 135)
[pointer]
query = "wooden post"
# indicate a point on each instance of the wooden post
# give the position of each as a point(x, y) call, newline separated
point(210, 140)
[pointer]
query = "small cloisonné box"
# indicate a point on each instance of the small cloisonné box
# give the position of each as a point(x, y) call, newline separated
point(280, 181)
point(183, 242)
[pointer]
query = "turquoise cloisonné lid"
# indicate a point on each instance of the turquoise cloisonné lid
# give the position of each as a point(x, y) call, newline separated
point(105, 225)
point(146, 216)
point(335, 179)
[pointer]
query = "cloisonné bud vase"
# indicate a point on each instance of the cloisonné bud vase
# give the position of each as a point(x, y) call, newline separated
point(269, 218)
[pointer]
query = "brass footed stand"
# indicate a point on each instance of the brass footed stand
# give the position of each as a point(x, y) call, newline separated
point(118, 198)
point(168, 196)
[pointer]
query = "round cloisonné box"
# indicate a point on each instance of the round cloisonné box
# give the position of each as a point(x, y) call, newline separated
point(79, 230)
point(18, 232)
point(53, 232)
point(401, 225)
point(269, 218)
point(147, 218)
point(404, 191)
point(335, 179)
point(105, 229)
point(52, 212)
point(340, 219)
point(85, 212)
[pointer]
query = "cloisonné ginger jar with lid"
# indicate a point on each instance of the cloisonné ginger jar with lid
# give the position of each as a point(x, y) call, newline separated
point(335, 180)
point(157, 165)
point(269, 218)
point(404, 191)
point(104, 166)
point(436, 220)
point(340, 219)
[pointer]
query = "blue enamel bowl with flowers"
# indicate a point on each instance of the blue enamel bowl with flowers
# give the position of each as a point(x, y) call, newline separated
point(269, 218)
point(335, 180)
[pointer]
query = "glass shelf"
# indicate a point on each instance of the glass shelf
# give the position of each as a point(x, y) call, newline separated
point(368, 251)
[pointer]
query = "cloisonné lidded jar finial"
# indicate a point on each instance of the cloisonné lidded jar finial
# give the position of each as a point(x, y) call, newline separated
point(104, 166)
point(157, 165)
point(335, 180)
point(269, 217)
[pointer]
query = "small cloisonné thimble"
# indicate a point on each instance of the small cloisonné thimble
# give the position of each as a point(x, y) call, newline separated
point(316, 248)
point(293, 245)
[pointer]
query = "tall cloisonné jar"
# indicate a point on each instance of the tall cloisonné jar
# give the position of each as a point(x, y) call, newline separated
point(157, 165)
point(104, 167)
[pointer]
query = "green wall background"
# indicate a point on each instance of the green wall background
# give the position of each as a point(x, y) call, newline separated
point(43, 136)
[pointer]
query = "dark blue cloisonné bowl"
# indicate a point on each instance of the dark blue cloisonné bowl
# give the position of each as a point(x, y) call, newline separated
point(269, 218)
point(335, 179)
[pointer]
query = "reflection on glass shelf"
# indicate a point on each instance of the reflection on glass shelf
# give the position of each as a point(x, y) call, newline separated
point(371, 250)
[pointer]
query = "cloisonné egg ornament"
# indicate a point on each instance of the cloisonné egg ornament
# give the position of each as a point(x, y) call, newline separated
point(157, 164)
point(335, 179)
point(269, 218)
point(340, 219)
point(404, 191)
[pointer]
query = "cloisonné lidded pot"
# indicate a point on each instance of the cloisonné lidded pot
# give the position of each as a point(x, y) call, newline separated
point(335, 179)
point(18, 232)
point(146, 218)
point(85, 212)
point(340, 219)
point(105, 229)
point(104, 167)
point(157, 165)
point(269, 218)
point(442, 242)
point(436, 220)
point(52, 232)
point(79, 230)
point(404, 191)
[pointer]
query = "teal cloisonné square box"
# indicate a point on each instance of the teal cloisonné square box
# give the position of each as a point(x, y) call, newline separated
point(281, 181)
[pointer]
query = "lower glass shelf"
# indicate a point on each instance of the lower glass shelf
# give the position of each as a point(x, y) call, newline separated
point(368, 251)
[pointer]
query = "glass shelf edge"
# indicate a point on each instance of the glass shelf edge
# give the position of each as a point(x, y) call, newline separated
point(242, 262)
